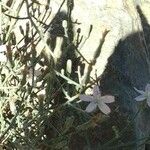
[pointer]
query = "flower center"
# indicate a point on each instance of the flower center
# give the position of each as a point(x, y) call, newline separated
point(97, 98)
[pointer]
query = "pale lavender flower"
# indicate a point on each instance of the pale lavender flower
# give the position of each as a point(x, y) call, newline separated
point(97, 100)
point(145, 95)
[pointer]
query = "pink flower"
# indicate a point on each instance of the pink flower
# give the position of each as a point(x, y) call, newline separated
point(145, 95)
point(97, 100)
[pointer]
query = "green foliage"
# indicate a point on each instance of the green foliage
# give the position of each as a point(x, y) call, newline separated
point(32, 88)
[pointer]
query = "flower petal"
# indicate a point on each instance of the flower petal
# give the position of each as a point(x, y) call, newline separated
point(140, 98)
point(147, 88)
point(139, 91)
point(107, 99)
point(96, 90)
point(148, 101)
point(91, 107)
point(86, 98)
point(104, 108)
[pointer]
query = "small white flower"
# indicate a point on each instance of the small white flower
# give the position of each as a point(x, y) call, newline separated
point(3, 48)
point(3, 57)
point(144, 94)
point(97, 100)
